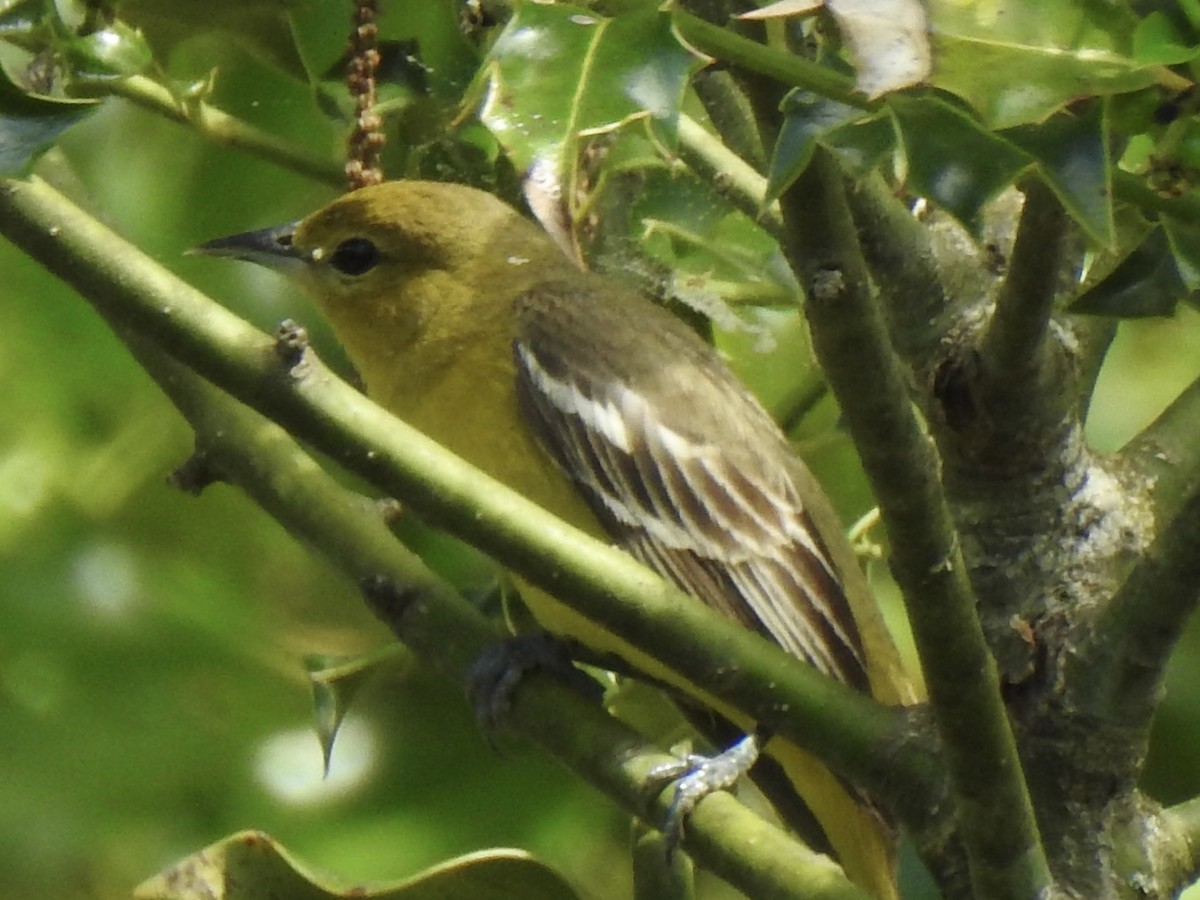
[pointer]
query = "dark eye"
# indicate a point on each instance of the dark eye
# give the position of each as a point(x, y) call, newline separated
point(355, 256)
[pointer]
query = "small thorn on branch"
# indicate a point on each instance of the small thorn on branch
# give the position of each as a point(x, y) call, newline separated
point(194, 475)
point(291, 342)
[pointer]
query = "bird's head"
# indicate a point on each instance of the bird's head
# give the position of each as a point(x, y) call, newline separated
point(378, 236)
point(407, 263)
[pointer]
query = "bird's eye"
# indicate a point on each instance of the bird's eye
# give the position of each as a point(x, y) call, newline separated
point(355, 256)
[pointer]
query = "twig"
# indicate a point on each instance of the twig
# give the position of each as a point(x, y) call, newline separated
point(729, 174)
point(730, 113)
point(215, 125)
point(787, 68)
point(1119, 672)
point(897, 249)
point(1168, 453)
point(1011, 349)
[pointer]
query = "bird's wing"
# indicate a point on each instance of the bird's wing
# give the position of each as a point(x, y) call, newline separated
point(681, 465)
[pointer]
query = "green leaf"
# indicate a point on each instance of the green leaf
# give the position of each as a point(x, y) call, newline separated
point(888, 40)
point(1184, 239)
point(559, 74)
point(863, 144)
point(21, 17)
point(952, 159)
point(1157, 41)
point(30, 124)
point(336, 681)
point(704, 246)
point(1018, 61)
point(262, 27)
point(1146, 283)
point(1072, 154)
point(810, 119)
point(112, 52)
point(252, 865)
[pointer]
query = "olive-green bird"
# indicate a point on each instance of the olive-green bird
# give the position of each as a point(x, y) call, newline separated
point(466, 321)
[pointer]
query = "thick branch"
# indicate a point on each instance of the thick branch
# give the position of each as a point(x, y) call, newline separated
point(1133, 636)
point(863, 740)
point(850, 337)
point(421, 610)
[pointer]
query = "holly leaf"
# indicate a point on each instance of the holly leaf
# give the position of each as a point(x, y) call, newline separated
point(251, 865)
point(1018, 61)
point(557, 75)
point(30, 124)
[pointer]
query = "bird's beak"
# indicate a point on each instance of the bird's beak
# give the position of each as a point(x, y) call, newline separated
point(270, 247)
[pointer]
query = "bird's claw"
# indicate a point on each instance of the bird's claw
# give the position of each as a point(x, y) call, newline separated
point(696, 777)
point(498, 671)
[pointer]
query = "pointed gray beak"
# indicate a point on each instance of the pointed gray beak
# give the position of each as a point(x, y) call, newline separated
point(270, 247)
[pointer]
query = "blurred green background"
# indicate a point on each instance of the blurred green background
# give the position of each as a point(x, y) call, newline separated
point(152, 697)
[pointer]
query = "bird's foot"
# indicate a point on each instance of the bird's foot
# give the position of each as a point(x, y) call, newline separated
point(498, 671)
point(696, 777)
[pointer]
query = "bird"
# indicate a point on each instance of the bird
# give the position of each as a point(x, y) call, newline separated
point(467, 321)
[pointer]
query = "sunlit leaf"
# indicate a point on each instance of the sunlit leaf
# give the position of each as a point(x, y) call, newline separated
point(888, 41)
point(252, 865)
point(1017, 61)
point(30, 124)
point(112, 52)
point(1156, 40)
point(559, 73)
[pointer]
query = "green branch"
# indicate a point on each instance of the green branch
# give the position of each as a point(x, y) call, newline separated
point(852, 344)
point(865, 741)
point(261, 459)
point(216, 126)
point(1134, 189)
point(897, 249)
point(1168, 453)
point(1122, 666)
point(1119, 672)
point(786, 68)
point(1013, 361)
point(729, 175)
point(1186, 819)
point(731, 115)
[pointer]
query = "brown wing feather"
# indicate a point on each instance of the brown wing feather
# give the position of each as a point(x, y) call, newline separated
point(682, 466)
